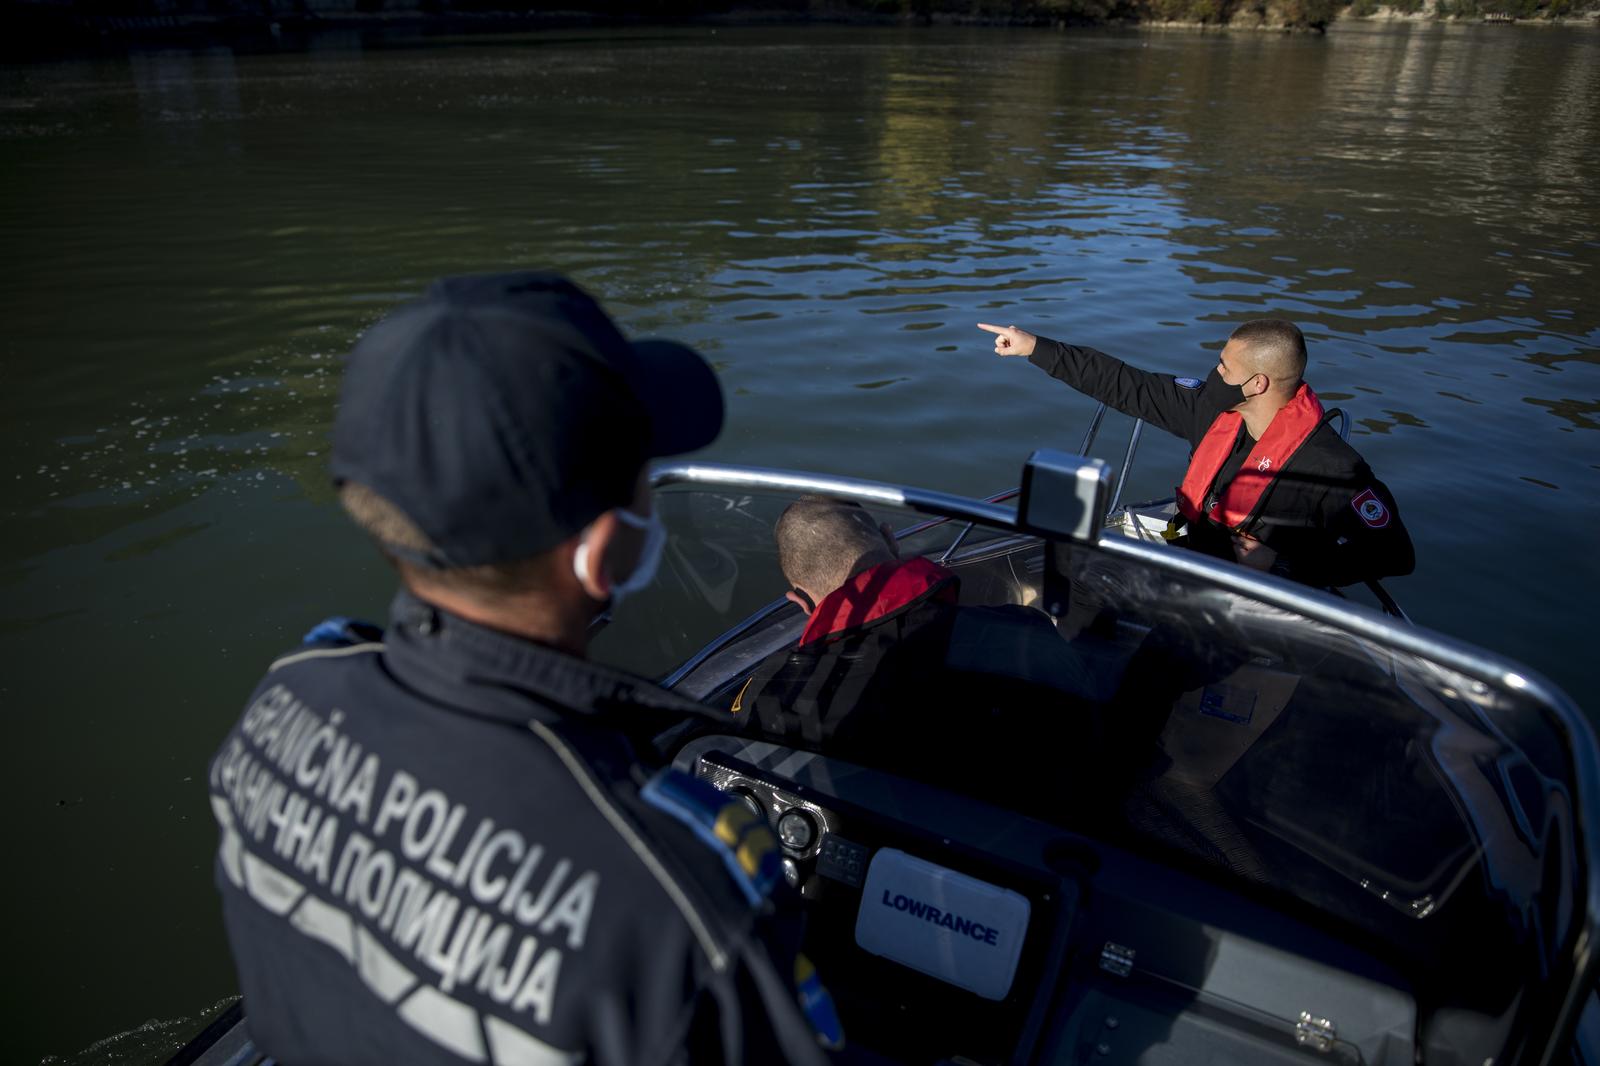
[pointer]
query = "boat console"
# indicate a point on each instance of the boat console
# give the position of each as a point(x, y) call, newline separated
point(951, 930)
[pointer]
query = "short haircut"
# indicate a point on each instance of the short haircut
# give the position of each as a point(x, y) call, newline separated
point(391, 529)
point(822, 542)
point(1276, 348)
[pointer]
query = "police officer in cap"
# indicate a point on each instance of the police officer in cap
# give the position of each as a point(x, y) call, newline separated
point(445, 841)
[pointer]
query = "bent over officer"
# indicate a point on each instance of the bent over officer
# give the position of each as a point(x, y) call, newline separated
point(444, 842)
point(893, 671)
point(1270, 484)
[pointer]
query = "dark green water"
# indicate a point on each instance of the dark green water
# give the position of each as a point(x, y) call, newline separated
point(193, 239)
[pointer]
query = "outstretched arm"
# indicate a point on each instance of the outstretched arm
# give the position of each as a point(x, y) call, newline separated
point(1157, 398)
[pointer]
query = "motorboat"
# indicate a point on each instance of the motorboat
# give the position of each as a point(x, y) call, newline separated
point(1262, 824)
point(1333, 832)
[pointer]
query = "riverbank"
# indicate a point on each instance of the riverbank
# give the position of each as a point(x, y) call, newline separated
point(44, 28)
point(1500, 12)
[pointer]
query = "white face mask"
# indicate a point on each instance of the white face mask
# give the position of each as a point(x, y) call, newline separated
point(644, 571)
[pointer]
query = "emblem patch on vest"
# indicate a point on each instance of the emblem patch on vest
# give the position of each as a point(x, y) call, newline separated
point(1264, 464)
point(1371, 509)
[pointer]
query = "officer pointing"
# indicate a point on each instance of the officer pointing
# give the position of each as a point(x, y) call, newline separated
point(447, 841)
point(1270, 484)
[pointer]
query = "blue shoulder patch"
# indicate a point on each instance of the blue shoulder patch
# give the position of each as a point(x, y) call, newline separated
point(740, 838)
point(1188, 383)
point(340, 632)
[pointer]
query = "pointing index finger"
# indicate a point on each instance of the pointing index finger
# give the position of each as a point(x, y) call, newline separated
point(992, 329)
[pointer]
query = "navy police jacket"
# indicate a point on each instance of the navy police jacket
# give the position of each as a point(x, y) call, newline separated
point(444, 844)
point(1330, 520)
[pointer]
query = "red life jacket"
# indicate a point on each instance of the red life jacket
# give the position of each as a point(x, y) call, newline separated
point(1289, 429)
point(875, 593)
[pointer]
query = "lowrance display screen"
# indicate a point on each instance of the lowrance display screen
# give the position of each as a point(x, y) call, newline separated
point(943, 923)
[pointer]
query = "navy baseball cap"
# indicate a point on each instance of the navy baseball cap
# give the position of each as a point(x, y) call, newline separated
point(502, 413)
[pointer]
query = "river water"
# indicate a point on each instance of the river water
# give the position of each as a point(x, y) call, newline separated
point(193, 239)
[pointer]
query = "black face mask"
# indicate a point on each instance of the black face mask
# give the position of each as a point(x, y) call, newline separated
point(1219, 393)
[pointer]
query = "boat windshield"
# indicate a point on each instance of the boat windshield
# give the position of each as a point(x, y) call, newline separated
point(1436, 811)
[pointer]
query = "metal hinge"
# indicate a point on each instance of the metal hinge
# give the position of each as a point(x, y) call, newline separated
point(1116, 959)
point(1317, 1034)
